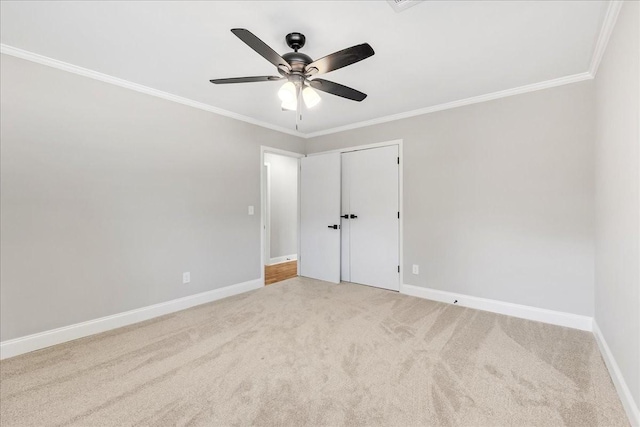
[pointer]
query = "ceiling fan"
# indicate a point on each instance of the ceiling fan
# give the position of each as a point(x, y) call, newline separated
point(299, 69)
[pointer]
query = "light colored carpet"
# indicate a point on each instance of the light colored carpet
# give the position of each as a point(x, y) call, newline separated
point(304, 352)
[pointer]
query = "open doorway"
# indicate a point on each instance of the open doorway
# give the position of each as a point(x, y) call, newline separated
point(281, 212)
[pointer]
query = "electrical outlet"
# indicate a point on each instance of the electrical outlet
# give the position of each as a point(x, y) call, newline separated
point(415, 269)
point(186, 278)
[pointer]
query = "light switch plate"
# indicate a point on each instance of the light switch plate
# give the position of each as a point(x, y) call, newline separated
point(186, 278)
point(251, 210)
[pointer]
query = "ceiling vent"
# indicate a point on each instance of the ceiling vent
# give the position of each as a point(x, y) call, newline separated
point(400, 5)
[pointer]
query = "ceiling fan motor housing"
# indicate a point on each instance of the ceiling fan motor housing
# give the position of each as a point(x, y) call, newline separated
point(297, 60)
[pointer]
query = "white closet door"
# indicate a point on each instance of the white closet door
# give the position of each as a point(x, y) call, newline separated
point(374, 231)
point(319, 214)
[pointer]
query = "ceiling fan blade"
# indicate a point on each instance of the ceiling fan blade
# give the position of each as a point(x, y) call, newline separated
point(261, 47)
point(337, 89)
point(340, 59)
point(246, 79)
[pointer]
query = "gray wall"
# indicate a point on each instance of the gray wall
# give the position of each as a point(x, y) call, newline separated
point(498, 197)
point(617, 291)
point(108, 195)
point(284, 205)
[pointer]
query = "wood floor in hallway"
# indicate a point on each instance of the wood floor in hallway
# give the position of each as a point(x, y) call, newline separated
point(279, 272)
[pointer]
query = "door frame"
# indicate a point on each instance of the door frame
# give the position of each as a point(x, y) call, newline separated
point(263, 183)
point(399, 143)
point(266, 211)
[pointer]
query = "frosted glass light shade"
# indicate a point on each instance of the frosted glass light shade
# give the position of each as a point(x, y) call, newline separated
point(310, 97)
point(290, 105)
point(287, 92)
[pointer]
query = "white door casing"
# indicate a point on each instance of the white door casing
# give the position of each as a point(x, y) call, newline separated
point(319, 211)
point(266, 214)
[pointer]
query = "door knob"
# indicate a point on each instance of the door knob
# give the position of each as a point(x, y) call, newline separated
point(334, 226)
point(354, 216)
point(345, 216)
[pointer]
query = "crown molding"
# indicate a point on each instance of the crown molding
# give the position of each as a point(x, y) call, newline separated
point(65, 66)
point(455, 104)
point(613, 9)
point(609, 22)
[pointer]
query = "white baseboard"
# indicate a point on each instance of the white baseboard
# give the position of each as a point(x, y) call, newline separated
point(281, 259)
point(40, 340)
point(626, 398)
point(560, 318)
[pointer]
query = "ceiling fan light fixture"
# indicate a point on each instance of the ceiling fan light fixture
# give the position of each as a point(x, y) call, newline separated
point(291, 104)
point(310, 97)
point(287, 93)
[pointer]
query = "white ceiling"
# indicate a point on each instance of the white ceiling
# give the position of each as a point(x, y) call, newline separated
point(434, 53)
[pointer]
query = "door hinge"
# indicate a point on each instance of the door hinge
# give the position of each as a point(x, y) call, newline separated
point(398, 214)
point(398, 269)
point(398, 160)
